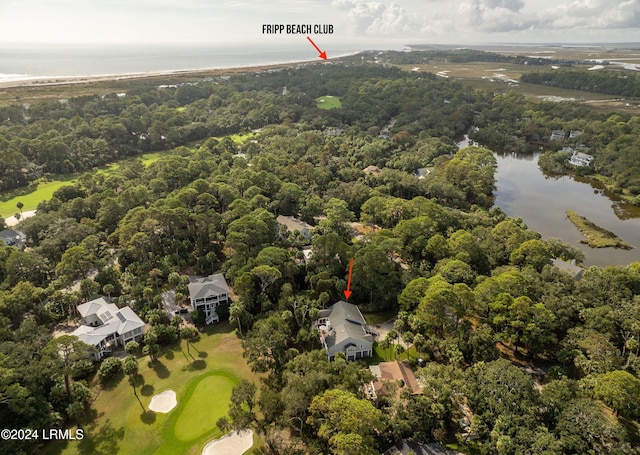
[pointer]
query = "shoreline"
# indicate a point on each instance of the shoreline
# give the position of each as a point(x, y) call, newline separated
point(52, 81)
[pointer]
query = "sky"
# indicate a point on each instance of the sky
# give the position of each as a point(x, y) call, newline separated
point(366, 24)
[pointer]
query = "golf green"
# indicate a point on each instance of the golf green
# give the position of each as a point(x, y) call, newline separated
point(208, 402)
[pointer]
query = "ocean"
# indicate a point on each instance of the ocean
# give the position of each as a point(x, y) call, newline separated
point(37, 61)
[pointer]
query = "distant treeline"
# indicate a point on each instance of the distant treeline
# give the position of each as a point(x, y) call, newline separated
point(458, 56)
point(602, 81)
point(78, 134)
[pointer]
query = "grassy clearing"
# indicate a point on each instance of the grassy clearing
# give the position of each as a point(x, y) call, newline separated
point(202, 383)
point(329, 102)
point(597, 237)
point(200, 414)
point(31, 196)
point(494, 76)
point(381, 354)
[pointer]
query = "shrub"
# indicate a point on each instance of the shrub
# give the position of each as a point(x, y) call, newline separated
point(109, 369)
point(197, 317)
point(82, 369)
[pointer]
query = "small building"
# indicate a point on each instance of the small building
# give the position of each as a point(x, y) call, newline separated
point(557, 135)
point(372, 170)
point(393, 372)
point(580, 159)
point(333, 132)
point(295, 224)
point(208, 293)
point(575, 133)
point(423, 172)
point(307, 253)
point(343, 329)
point(11, 237)
point(568, 267)
point(106, 326)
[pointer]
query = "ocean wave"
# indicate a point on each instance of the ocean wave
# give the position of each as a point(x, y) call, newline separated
point(13, 77)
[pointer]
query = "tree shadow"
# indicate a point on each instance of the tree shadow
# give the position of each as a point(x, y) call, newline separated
point(148, 417)
point(147, 390)
point(113, 382)
point(222, 327)
point(101, 441)
point(169, 355)
point(203, 355)
point(160, 369)
point(196, 365)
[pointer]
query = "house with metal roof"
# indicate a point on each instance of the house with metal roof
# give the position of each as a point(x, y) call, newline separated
point(343, 329)
point(106, 326)
point(568, 267)
point(207, 293)
point(295, 224)
point(11, 237)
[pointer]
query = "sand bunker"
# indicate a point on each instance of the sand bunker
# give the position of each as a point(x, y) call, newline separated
point(163, 402)
point(234, 443)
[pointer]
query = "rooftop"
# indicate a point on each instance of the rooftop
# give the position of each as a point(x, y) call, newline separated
point(113, 320)
point(294, 224)
point(568, 267)
point(346, 322)
point(200, 287)
point(395, 371)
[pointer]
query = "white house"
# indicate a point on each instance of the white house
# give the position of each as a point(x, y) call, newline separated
point(208, 293)
point(104, 326)
point(580, 159)
point(343, 329)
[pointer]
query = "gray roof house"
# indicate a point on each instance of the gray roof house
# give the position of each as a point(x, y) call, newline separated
point(12, 237)
point(207, 293)
point(568, 267)
point(343, 329)
point(295, 224)
point(104, 326)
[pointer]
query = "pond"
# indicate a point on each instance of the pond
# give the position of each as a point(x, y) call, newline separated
point(524, 191)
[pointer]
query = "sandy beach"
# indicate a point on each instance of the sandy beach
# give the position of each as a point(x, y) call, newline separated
point(73, 80)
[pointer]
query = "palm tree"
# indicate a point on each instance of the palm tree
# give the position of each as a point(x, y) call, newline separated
point(130, 367)
point(236, 311)
point(20, 205)
point(189, 334)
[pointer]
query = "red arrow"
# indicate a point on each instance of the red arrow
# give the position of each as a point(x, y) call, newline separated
point(323, 55)
point(347, 293)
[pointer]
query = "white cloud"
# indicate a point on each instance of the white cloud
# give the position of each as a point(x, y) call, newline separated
point(379, 21)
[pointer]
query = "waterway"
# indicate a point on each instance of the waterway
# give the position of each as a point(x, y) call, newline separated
point(540, 200)
point(524, 191)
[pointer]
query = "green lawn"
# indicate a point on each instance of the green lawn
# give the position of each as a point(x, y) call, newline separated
point(202, 383)
point(30, 196)
point(152, 157)
point(388, 354)
point(329, 102)
point(201, 412)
